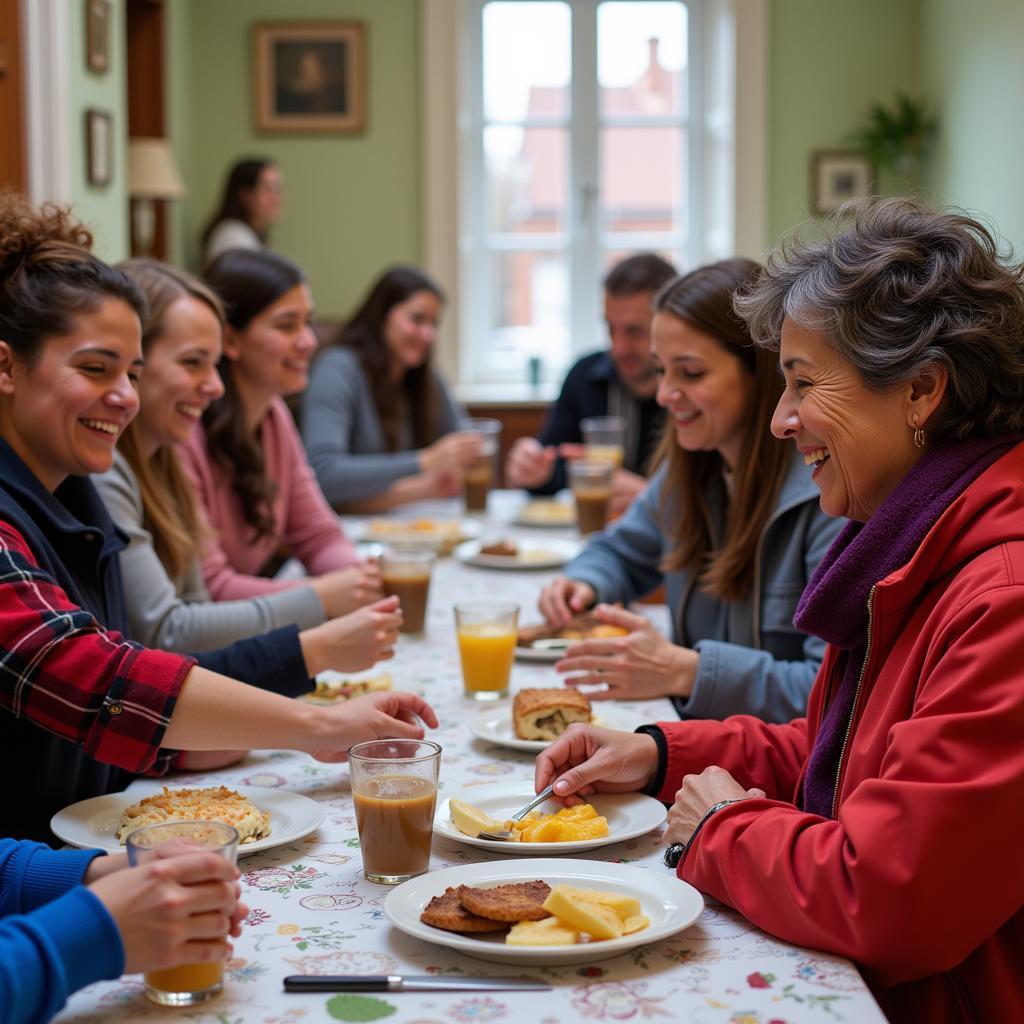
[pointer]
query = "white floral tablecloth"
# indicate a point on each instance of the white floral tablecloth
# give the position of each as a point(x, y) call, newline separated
point(312, 912)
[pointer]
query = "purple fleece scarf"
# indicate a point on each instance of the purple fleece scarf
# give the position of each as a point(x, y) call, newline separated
point(835, 604)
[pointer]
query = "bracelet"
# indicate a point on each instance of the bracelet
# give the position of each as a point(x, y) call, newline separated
point(677, 852)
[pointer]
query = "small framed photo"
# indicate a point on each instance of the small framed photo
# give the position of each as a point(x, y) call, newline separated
point(99, 148)
point(838, 175)
point(309, 76)
point(97, 35)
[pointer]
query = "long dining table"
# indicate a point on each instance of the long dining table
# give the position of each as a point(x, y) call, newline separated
point(313, 912)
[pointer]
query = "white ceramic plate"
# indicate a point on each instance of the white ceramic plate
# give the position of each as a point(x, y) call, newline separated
point(549, 655)
point(92, 824)
point(494, 724)
point(531, 554)
point(546, 513)
point(629, 815)
point(671, 905)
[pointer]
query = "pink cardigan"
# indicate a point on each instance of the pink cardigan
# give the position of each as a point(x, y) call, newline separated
point(305, 523)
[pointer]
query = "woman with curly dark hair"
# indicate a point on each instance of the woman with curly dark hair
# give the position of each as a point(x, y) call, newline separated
point(246, 460)
point(378, 421)
point(884, 826)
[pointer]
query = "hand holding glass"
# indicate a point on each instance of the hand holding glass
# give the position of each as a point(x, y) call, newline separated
point(479, 477)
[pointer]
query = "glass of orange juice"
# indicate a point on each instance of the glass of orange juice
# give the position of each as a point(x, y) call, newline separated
point(187, 984)
point(486, 631)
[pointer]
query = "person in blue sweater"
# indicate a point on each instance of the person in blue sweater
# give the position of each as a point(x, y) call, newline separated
point(72, 917)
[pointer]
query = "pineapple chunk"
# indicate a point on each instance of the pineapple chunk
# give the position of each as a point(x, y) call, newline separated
point(635, 923)
point(470, 820)
point(592, 918)
point(624, 906)
point(549, 931)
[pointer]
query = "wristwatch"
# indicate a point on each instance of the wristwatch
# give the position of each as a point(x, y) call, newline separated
point(675, 853)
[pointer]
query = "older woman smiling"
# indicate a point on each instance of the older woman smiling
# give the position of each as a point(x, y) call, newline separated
point(884, 826)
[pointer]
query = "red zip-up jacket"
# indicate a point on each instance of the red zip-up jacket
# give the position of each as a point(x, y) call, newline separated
point(919, 874)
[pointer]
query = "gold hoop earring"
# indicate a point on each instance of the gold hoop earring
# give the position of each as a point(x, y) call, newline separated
point(919, 440)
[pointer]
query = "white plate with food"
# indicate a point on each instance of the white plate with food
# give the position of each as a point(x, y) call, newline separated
point(518, 554)
point(443, 535)
point(93, 824)
point(628, 815)
point(545, 642)
point(494, 724)
point(670, 905)
point(546, 512)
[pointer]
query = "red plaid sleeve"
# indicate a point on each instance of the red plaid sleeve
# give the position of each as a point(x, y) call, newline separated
point(63, 670)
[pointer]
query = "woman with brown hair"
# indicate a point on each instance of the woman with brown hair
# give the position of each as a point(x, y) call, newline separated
point(378, 421)
point(152, 501)
point(730, 523)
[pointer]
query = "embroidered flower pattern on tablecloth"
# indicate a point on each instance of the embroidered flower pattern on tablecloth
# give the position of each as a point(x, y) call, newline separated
point(618, 1001)
point(256, 917)
point(282, 880)
point(469, 1011)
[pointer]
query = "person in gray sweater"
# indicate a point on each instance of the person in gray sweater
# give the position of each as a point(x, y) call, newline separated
point(378, 422)
point(730, 523)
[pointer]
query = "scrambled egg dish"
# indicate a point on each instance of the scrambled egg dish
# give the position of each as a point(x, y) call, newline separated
point(215, 803)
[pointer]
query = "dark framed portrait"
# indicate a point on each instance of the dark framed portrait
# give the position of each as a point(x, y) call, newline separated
point(838, 175)
point(99, 148)
point(97, 35)
point(309, 76)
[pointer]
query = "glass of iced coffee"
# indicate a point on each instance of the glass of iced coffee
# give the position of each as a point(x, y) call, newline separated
point(405, 573)
point(394, 788)
point(591, 484)
point(604, 437)
point(187, 984)
point(486, 631)
point(481, 476)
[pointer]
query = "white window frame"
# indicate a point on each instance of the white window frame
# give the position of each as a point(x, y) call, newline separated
point(730, 98)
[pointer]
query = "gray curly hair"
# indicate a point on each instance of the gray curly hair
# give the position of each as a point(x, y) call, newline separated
point(896, 288)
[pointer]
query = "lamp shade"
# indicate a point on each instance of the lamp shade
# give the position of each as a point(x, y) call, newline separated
point(152, 171)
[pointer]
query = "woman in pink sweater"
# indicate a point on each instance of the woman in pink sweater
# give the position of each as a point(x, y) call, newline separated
point(246, 459)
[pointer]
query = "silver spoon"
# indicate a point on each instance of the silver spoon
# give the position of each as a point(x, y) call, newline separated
point(504, 834)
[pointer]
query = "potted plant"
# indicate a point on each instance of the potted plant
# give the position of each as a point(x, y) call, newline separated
point(896, 138)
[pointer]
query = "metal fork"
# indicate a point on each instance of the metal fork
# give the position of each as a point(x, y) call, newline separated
point(504, 834)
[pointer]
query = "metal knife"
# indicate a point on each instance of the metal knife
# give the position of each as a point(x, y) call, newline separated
point(407, 983)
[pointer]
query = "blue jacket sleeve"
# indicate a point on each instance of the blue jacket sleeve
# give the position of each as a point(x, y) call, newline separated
point(272, 661)
point(735, 680)
point(621, 562)
point(55, 935)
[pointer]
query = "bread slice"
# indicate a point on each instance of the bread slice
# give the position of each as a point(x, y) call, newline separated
point(544, 714)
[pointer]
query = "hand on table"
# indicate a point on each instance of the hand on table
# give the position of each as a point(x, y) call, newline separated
point(178, 907)
point(451, 453)
point(587, 759)
point(529, 464)
point(354, 641)
point(344, 590)
point(563, 598)
point(699, 793)
point(386, 714)
point(638, 666)
point(625, 487)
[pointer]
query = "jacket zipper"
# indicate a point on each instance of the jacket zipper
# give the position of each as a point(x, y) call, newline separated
point(853, 708)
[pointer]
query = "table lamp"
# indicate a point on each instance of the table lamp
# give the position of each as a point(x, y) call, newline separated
point(152, 174)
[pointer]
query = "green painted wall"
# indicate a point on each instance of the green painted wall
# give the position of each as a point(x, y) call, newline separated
point(104, 209)
point(828, 59)
point(974, 71)
point(353, 202)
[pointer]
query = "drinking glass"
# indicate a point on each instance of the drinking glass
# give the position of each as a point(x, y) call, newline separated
point(591, 484)
point(480, 477)
point(394, 788)
point(486, 632)
point(186, 984)
point(405, 573)
point(604, 437)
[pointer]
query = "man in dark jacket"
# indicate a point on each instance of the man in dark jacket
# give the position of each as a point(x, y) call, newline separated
point(619, 381)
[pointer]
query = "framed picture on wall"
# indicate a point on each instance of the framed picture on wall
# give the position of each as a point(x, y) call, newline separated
point(838, 175)
point(99, 148)
point(97, 35)
point(309, 76)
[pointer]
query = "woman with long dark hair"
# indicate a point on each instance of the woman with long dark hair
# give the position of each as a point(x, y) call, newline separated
point(730, 523)
point(377, 418)
point(246, 460)
point(249, 207)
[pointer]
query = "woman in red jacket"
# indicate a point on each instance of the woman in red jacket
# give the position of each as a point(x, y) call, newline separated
point(885, 826)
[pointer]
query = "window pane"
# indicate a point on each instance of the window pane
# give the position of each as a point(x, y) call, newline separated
point(641, 58)
point(527, 60)
point(529, 314)
point(643, 179)
point(527, 181)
